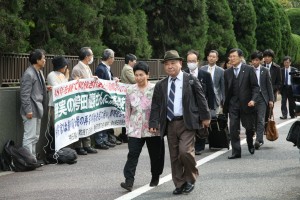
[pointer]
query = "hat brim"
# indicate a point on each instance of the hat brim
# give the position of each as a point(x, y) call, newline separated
point(167, 59)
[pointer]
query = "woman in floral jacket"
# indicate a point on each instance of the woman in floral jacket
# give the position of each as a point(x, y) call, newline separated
point(137, 113)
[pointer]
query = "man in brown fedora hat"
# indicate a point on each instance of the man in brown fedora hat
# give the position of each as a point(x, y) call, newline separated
point(178, 114)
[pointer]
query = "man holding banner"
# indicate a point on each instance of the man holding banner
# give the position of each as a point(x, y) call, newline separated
point(83, 71)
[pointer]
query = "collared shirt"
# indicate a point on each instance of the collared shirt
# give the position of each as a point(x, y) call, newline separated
point(238, 69)
point(108, 69)
point(87, 69)
point(269, 65)
point(257, 72)
point(178, 93)
point(211, 70)
point(194, 72)
point(289, 76)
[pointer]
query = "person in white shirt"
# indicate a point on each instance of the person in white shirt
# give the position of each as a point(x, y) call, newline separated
point(286, 89)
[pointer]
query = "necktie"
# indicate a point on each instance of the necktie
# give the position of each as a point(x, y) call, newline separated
point(41, 79)
point(286, 77)
point(236, 71)
point(170, 109)
point(210, 70)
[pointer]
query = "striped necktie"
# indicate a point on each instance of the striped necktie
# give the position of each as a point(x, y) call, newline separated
point(170, 108)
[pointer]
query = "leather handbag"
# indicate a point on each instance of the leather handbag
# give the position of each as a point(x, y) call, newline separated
point(271, 130)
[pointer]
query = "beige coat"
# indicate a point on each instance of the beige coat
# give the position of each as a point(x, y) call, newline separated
point(127, 75)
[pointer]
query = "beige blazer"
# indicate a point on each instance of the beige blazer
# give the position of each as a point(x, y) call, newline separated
point(127, 75)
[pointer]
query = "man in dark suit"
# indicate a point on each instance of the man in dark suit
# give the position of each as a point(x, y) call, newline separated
point(217, 74)
point(274, 70)
point(286, 89)
point(206, 82)
point(241, 90)
point(265, 97)
point(176, 113)
point(105, 139)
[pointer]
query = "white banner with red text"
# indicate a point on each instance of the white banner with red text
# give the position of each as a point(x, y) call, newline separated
point(85, 106)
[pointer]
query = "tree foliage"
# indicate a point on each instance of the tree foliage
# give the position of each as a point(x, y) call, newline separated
point(268, 32)
point(220, 32)
point(66, 30)
point(285, 29)
point(177, 24)
point(295, 49)
point(126, 31)
point(244, 24)
point(14, 30)
point(294, 18)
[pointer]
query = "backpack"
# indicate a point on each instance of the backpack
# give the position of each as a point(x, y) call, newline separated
point(64, 155)
point(18, 159)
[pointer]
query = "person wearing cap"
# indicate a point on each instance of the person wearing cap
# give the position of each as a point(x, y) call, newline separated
point(175, 113)
point(137, 112)
point(59, 75)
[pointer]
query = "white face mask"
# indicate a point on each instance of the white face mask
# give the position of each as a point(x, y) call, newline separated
point(91, 61)
point(192, 66)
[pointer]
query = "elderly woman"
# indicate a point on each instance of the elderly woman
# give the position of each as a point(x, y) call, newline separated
point(138, 106)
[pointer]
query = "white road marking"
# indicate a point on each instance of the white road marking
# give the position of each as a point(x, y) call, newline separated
point(139, 191)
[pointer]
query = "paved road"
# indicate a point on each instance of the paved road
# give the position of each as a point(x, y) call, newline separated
point(271, 173)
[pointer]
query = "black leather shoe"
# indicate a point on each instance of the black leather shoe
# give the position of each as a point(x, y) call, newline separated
point(179, 190)
point(257, 145)
point(126, 186)
point(109, 144)
point(283, 117)
point(154, 181)
point(198, 152)
point(101, 146)
point(90, 150)
point(251, 149)
point(80, 151)
point(293, 117)
point(188, 187)
point(234, 156)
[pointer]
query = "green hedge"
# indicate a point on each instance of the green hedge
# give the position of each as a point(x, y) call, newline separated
point(295, 50)
point(294, 17)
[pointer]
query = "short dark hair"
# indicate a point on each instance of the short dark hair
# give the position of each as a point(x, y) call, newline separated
point(239, 51)
point(129, 57)
point(256, 54)
point(84, 52)
point(141, 66)
point(36, 55)
point(287, 58)
point(269, 52)
point(107, 53)
point(193, 52)
point(214, 51)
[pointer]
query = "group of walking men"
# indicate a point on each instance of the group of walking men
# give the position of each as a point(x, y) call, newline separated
point(182, 103)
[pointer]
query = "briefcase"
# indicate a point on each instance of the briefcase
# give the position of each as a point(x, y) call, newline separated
point(218, 136)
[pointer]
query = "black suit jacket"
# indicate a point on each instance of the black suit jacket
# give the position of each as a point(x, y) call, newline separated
point(206, 82)
point(275, 76)
point(102, 72)
point(283, 75)
point(193, 112)
point(248, 87)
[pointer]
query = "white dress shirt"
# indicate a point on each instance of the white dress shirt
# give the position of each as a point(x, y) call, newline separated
point(178, 93)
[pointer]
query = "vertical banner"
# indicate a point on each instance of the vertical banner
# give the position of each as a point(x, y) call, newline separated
point(85, 106)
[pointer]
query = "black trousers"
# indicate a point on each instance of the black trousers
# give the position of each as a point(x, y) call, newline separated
point(156, 150)
point(287, 94)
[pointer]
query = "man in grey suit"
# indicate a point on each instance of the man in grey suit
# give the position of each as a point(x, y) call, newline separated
point(176, 113)
point(33, 95)
point(241, 90)
point(265, 97)
point(217, 74)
